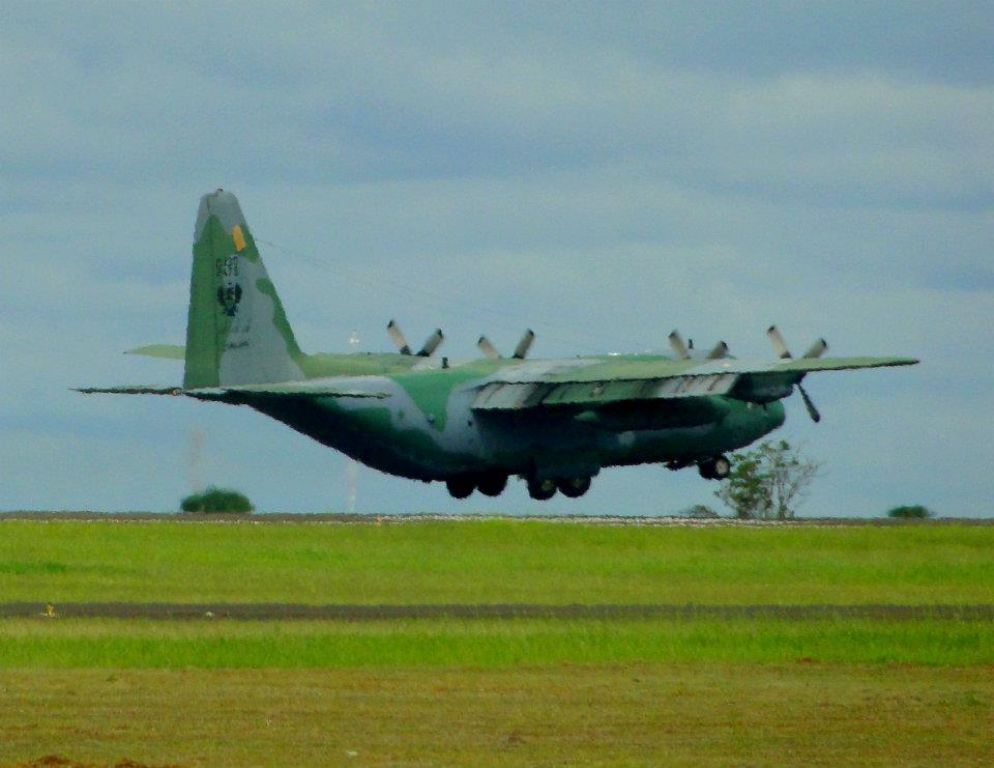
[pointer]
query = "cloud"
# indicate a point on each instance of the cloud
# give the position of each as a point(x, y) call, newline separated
point(600, 174)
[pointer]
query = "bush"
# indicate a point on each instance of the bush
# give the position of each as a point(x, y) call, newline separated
point(914, 512)
point(701, 512)
point(217, 500)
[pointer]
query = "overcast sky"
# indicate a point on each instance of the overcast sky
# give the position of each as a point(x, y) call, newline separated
point(599, 172)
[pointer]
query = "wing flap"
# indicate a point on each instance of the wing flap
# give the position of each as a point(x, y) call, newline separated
point(510, 396)
point(599, 382)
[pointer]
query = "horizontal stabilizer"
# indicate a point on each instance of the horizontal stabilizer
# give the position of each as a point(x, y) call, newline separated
point(130, 389)
point(164, 351)
point(313, 388)
point(293, 389)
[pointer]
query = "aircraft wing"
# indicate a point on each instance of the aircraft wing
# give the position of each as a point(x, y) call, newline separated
point(597, 382)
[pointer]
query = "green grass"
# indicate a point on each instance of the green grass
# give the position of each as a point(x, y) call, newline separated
point(423, 643)
point(490, 561)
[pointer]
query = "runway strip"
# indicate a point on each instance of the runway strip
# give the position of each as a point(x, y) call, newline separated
point(336, 518)
point(298, 612)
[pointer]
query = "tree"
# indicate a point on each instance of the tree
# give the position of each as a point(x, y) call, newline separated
point(913, 512)
point(217, 500)
point(767, 482)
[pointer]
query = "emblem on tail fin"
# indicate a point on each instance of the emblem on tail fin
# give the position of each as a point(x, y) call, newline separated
point(228, 297)
point(229, 293)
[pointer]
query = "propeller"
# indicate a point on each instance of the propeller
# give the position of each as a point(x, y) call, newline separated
point(520, 351)
point(432, 343)
point(487, 348)
point(718, 351)
point(812, 411)
point(427, 349)
point(679, 347)
point(814, 351)
point(397, 337)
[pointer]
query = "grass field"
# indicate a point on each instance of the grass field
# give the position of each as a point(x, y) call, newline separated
point(530, 692)
point(493, 561)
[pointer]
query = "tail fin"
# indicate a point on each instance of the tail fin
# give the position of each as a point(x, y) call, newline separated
point(237, 331)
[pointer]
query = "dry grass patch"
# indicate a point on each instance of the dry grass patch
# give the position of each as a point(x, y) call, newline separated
point(606, 715)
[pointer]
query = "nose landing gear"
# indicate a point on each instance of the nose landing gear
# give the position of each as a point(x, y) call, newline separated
point(715, 468)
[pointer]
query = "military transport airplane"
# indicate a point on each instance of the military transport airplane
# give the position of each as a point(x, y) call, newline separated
point(553, 423)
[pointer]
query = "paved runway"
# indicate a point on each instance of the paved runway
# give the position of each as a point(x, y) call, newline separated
point(393, 519)
point(339, 612)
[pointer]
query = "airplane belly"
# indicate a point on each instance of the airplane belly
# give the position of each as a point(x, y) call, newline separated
point(412, 435)
point(522, 442)
point(396, 434)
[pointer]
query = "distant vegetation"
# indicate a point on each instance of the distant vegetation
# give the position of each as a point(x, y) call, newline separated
point(914, 512)
point(217, 500)
point(701, 512)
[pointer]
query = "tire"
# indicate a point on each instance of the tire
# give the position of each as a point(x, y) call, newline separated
point(460, 487)
point(492, 485)
point(573, 487)
point(716, 468)
point(722, 467)
point(541, 490)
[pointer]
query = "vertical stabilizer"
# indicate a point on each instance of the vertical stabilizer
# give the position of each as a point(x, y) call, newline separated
point(237, 331)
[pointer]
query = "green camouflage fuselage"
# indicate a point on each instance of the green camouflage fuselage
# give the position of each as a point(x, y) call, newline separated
point(426, 429)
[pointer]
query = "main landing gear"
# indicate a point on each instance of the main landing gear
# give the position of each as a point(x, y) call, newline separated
point(462, 486)
point(571, 487)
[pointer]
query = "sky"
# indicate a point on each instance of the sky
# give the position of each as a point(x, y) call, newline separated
point(599, 172)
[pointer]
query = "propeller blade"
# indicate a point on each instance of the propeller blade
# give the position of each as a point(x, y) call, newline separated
point(809, 404)
point(488, 349)
point(779, 345)
point(431, 343)
point(397, 337)
point(817, 349)
point(719, 351)
point(521, 351)
point(676, 341)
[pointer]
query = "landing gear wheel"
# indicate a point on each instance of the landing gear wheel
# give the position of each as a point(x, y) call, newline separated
point(460, 487)
point(722, 467)
point(492, 485)
point(541, 490)
point(573, 487)
point(717, 468)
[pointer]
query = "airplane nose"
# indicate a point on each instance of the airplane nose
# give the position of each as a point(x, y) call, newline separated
point(775, 415)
